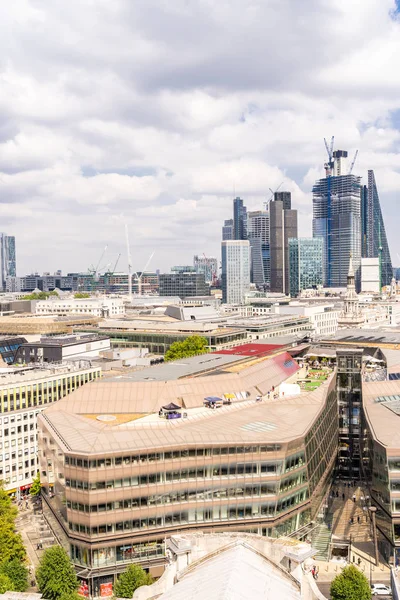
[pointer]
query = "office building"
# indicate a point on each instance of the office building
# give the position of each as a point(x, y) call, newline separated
point(258, 236)
point(282, 226)
point(305, 264)
point(59, 348)
point(285, 198)
point(337, 219)
point(8, 258)
point(370, 279)
point(239, 219)
point(323, 317)
point(24, 393)
point(227, 230)
point(183, 283)
point(235, 270)
point(97, 307)
point(207, 265)
point(117, 487)
point(374, 240)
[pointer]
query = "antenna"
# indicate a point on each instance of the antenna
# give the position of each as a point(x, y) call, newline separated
point(129, 263)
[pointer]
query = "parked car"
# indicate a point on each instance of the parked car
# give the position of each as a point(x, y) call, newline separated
point(380, 589)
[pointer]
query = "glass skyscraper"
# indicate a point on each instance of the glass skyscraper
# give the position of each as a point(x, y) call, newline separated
point(258, 236)
point(305, 264)
point(8, 258)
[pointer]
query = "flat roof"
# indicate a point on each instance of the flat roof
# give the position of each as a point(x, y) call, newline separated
point(252, 350)
point(365, 336)
point(74, 420)
point(384, 422)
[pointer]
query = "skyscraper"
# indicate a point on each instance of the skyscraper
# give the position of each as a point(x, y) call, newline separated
point(235, 270)
point(285, 198)
point(239, 219)
point(258, 236)
point(207, 265)
point(337, 219)
point(8, 258)
point(283, 225)
point(227, 230)
point(305, 260)
point(374, 240)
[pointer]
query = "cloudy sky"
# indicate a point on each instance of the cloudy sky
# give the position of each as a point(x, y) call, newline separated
point(154, 112)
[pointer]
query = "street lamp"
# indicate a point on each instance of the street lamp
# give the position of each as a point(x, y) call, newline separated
point(372, 510)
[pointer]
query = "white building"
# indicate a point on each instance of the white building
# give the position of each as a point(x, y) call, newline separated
point(24, 393)
point(97, 307)
point(323, 317)
point(235, 270)
point(370, 278)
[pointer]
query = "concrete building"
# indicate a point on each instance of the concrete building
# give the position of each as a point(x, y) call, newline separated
point(60, 348)
point(351, 315)
point(305, 264)
point(183, 283)
point(208, 266)
point(323, 317)
point(97, 307)
point(24, 393)
point(283, 226)
point(235, 270)
point(370, 280)
point(115, 487)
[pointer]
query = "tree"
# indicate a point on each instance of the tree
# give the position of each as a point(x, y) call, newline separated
point(8, 512)
point(56, 576)
point(36, 485)
point(128, 582)
point(191, 346)
point(351, 584)
point(11, 544)
point(17, 572)
point(6, 584)
point(39, 295)
point(81, 295)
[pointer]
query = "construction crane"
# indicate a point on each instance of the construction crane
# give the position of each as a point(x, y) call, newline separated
point(94, 270)
point(352, 162)
point(128, 250)
point(329, 149)
point(139, 277)
point(267, 202)
point(110, 272)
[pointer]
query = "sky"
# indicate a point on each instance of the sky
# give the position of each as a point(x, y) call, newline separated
point(155, 113)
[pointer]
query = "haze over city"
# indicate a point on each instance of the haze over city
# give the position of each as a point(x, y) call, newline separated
point(158, 113)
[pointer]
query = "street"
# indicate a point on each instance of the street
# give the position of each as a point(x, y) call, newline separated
point(324, 587)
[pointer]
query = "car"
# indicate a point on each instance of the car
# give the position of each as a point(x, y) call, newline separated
point(380, 589)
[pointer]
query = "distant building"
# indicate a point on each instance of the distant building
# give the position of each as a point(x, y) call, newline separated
point(227, 230)
point(337, 219)
point(285, 198)
point(258, 236)
point(183, 284)
point(370, 280)
point(65, 347)
point(351, 315)
point(305, 264)
point(239, 220)
point(283, 226)
point(323, 317)
point(8, 258)
point(207, 265)
point(97, 307)
point(235, 270)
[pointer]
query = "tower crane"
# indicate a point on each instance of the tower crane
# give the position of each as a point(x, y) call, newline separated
point(329, 149)
point(139, 277)
point(267, 202)
point(129, 263)
point(352, 162)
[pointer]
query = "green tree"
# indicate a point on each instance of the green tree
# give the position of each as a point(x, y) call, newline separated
point(11, 545)
point(39, 295)
point(56, 576)
point(81, 295)
point(351, 584)
point(17, 572)
point(6, 584)
point(191, 346)
point(8, 512)
point(36, 485)
point(128, 582)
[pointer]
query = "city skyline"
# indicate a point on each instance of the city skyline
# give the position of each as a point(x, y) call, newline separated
point(91, 138)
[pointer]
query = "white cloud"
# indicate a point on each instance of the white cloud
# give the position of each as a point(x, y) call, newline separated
point(156, 112)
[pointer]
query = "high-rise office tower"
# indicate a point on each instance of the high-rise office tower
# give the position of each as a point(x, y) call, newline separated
point(258, 236)
point(337, 219)
point(235, 270)
point(305, 260)
point(208, 266)
point(282, 226)
point(8, 258)
point(227, 230)
point(374, 240)
point(239, 219)
point(285, 198)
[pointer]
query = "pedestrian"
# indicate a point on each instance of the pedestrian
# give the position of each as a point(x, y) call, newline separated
point(358, 519)
point(26, 504)
point(337, 494)
point(354, 498)
point(343, 496)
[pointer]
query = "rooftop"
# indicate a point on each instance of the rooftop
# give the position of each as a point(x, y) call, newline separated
point(374, 337)
point(380, 403)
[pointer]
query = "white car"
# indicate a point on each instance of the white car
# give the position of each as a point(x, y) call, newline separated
point(380, 589)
